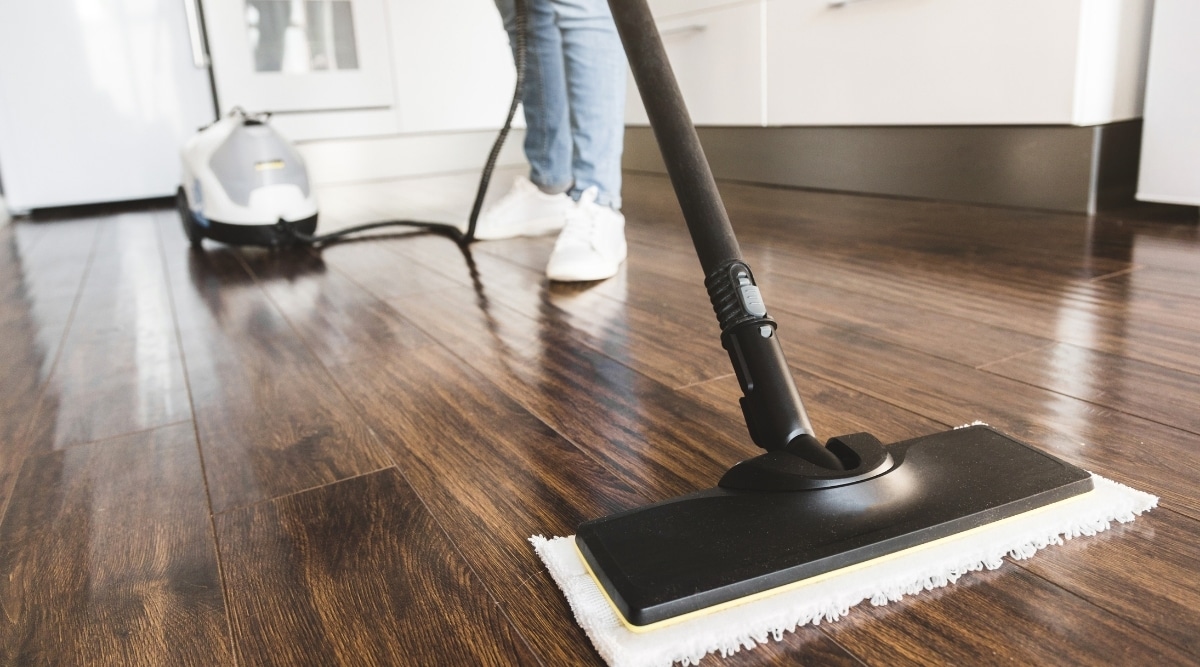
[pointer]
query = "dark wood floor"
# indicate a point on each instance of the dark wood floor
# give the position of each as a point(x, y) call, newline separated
point(240, 457)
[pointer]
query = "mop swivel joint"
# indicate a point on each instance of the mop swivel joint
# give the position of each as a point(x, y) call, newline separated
point(771, 404)
point(775, 416)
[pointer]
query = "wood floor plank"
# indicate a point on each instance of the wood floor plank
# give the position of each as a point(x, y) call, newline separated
point(1086, 314)
point(39, 285)
point(101, 389)
point(107, 557)
point(635, 426)
point(921, 328)
point(870, 228)
point(647, 341)
point(1167, 257)
point(357, 573)
point(493, 475)
point(1134, 297)
point(126, 292)
point(834, 409)
point(378, 270)
point(1157, 589)
point(269, 420)
point(53, 270)
point(120, 369)
point(1166, 284)
point(1146, 390)
point(1100, 315)
point(338, 319)
point(1005, 616)
point(1074, 311)
point(1104, 441)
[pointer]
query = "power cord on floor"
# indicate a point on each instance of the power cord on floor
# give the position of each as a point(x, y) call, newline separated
point(462, 238)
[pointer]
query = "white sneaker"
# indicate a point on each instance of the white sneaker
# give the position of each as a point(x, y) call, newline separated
point(524, 211)
point(592, 245)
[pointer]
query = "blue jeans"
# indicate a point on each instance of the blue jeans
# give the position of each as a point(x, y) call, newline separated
point(574, 96)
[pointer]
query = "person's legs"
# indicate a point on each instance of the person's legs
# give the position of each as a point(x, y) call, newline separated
point(595, 81)
point(575, 111)
point(540, 204)
point(544, 98)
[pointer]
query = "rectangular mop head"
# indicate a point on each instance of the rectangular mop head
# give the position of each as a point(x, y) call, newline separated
point(746, 623)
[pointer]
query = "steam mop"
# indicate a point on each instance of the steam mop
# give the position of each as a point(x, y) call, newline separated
point(241, 180)
point(244, 183)
point(808, 529)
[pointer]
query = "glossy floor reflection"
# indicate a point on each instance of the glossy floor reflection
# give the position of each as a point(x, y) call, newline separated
point(336, 457)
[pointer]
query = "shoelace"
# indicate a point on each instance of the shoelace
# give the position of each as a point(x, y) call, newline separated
point(582, 227)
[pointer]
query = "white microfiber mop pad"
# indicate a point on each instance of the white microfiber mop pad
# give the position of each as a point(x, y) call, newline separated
point(880, 581)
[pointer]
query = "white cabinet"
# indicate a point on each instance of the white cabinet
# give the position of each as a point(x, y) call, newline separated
point(1170, 166)
point(717, 58)
point(906, 62)
point(662, 8)
point(292, 55)
point(920, 62)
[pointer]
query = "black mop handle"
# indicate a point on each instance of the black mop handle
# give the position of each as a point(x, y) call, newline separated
point(681, 151)
point(771, 404)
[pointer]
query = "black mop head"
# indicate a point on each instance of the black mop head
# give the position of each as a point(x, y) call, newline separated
point(720, 570)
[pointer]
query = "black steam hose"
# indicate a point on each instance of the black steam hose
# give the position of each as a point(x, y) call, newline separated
point(485, 179)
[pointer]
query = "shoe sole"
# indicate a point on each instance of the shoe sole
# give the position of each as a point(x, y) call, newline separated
point(586, 276)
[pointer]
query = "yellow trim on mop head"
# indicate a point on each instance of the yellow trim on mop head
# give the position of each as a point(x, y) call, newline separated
point(821, 577)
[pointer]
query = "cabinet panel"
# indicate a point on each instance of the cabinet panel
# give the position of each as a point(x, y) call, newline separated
point(291, 56)
point(665, 8)
point(921, 62)
point(1170, 165)
point(717, 58)
point(454, 66)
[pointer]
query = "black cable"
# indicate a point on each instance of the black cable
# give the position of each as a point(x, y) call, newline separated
point(485, 178)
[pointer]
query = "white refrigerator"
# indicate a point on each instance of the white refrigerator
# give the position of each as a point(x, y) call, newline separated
point(96, 98)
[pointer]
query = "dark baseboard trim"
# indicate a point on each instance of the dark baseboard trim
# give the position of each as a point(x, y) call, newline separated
point(1064, 168)
point(103, 208)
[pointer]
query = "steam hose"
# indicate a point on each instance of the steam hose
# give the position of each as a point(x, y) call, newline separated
point(463, 238)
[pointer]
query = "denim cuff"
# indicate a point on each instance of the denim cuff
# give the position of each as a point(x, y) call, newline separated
point(603, 198)
point(552, 189)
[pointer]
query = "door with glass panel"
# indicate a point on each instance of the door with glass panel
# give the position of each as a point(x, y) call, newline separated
point(299, 55)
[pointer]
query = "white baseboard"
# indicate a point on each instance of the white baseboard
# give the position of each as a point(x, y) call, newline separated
point(398, 156)
point(5, 216)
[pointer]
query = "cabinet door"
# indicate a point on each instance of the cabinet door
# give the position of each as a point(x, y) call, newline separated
point(300, 55)
point(717, 58)
point(1170, 166)
point(927, 62)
